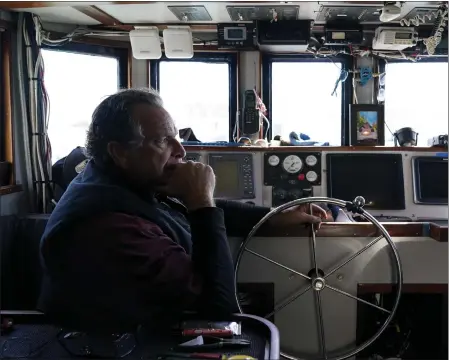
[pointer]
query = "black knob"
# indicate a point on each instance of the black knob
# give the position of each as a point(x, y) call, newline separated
point(295, 194)
point(307, 192)
point(280, 194)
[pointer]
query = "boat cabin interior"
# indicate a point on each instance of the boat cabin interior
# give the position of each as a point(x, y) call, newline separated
point(340, 104)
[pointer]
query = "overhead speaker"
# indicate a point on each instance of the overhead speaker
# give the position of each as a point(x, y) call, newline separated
point(145, 43)
point(178, 42)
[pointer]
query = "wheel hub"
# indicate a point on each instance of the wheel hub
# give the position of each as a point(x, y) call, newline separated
point(318, 284)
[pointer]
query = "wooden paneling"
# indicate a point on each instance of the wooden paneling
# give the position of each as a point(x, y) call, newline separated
point(130, 69)
point(5, 190)
point(97, 14)
point(41, 4)
point(379, 149)
point(439, 233)
point(406, 288)
point(161, 26)
point(8, 141)
point(102, 42)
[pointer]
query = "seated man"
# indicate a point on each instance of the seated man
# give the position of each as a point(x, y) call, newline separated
point(137, 237)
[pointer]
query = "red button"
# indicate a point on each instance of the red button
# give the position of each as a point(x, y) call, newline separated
point(301, 177)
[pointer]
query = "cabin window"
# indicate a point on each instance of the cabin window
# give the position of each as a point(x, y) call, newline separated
point(199, 93)
point(299, 93)
point(77, 78)
point(416, 96)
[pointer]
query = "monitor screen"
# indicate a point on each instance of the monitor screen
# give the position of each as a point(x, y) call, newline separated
point(235, 33)
point(431, 180)
point(377, 177)
point(227, 179)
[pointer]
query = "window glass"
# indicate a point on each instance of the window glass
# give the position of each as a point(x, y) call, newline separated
point(76, 83)
point(196, 94)
point(416, 96)
point(302, 100)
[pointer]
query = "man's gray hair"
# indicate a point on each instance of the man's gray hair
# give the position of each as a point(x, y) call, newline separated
point(112, 120)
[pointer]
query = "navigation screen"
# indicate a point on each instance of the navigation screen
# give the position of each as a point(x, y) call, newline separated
point(235, 34)
point(377, 177)
point(431, 176)
point(403, 36)
point(227, 179)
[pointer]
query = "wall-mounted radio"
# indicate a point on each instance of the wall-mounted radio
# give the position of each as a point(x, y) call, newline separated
point(343, 33)
point(394, 38)
point(236, 35)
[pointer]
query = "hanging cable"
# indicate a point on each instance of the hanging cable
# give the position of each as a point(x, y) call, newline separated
point(341, 79)
point(262, 112)
point(422, 19)
point(38, 113)
point(433, 41)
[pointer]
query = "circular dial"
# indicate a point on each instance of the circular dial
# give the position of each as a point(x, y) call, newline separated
point(292, 164)
point(311, 176)
point(311, 160)
point(273, 160)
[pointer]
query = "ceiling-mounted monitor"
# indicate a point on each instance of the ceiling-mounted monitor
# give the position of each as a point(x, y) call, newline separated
point(283, 35)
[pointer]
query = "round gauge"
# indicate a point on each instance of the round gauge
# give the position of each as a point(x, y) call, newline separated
point(311, 160)
point(292, 164)
point(311, 176)
point(273, 160)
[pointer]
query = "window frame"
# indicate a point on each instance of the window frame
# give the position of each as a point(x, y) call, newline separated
point(432, 59)
point(231, 58)
point(383, 66)
point(346, 89)
point(121, 54)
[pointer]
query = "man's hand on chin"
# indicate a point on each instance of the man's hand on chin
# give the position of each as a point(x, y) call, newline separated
point(299, 215)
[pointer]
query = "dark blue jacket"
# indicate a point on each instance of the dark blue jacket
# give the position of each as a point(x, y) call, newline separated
point(92, 194)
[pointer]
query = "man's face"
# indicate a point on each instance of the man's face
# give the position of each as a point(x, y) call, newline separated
point(151, 162)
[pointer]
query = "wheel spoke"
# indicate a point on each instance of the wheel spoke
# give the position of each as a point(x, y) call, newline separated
point(288, 301)
point(352, 257)
point(320, 324)
point(276, 263)
point(314, 264)
point(357, 299)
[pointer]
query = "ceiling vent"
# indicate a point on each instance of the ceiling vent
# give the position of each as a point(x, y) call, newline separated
point(266, 12)
point(190, 13)
point(349, 13)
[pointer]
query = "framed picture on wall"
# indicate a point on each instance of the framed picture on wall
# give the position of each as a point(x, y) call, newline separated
point(367, 125)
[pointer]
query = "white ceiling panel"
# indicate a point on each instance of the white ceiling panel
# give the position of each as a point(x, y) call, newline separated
point(65, 15)
point(140, 13)
point(159, 12)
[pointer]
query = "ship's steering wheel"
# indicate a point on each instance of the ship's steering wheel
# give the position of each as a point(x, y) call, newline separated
point(318, 281)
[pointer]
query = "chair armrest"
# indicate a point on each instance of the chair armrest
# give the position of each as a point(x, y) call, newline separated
point(270, 329)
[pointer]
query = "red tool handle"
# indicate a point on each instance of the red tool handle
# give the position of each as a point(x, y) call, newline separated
point(206, 356)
